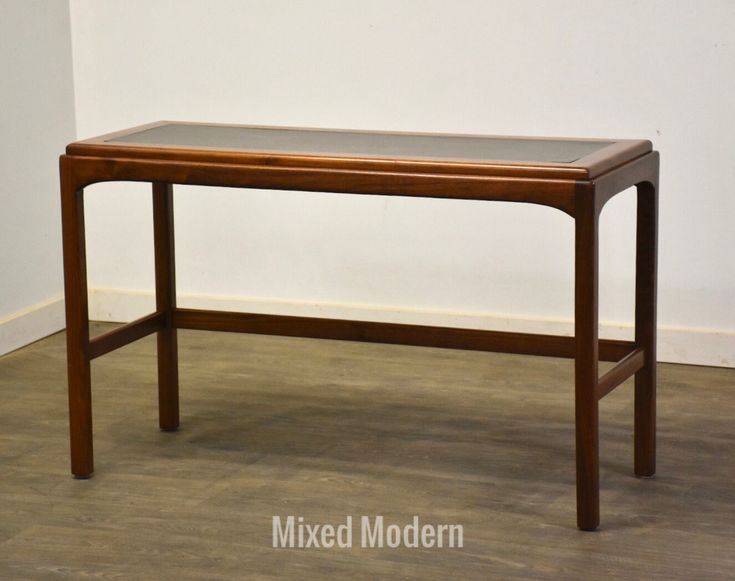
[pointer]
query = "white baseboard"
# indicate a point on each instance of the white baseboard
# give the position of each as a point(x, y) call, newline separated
point(31, 324)
point(675, 345)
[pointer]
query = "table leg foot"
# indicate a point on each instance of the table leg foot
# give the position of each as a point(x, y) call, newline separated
point(168, 364)
point(645, 329)
point(77, 323)
point(586, 359)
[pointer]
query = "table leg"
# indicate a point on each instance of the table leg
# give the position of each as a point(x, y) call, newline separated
point(645, 329)
point(77, 325)
point(168, 372)
point(586, 361)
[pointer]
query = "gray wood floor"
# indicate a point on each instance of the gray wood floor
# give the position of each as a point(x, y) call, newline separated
point(319, 429)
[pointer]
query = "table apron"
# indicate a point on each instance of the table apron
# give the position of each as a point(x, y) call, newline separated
point(558, 194)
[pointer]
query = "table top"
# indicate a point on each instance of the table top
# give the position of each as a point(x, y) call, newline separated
point(366, 150)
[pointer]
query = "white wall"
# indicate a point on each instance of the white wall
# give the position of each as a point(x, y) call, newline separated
point(36, 122)
point(655, 69)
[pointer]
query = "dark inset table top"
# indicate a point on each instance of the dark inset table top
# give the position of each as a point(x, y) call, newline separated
point(366, 150)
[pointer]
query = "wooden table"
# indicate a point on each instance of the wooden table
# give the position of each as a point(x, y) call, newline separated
point(576, 176)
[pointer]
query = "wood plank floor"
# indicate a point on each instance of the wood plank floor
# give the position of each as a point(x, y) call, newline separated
point(324, 429)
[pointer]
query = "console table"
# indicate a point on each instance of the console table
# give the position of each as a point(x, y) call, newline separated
point(576, 176)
